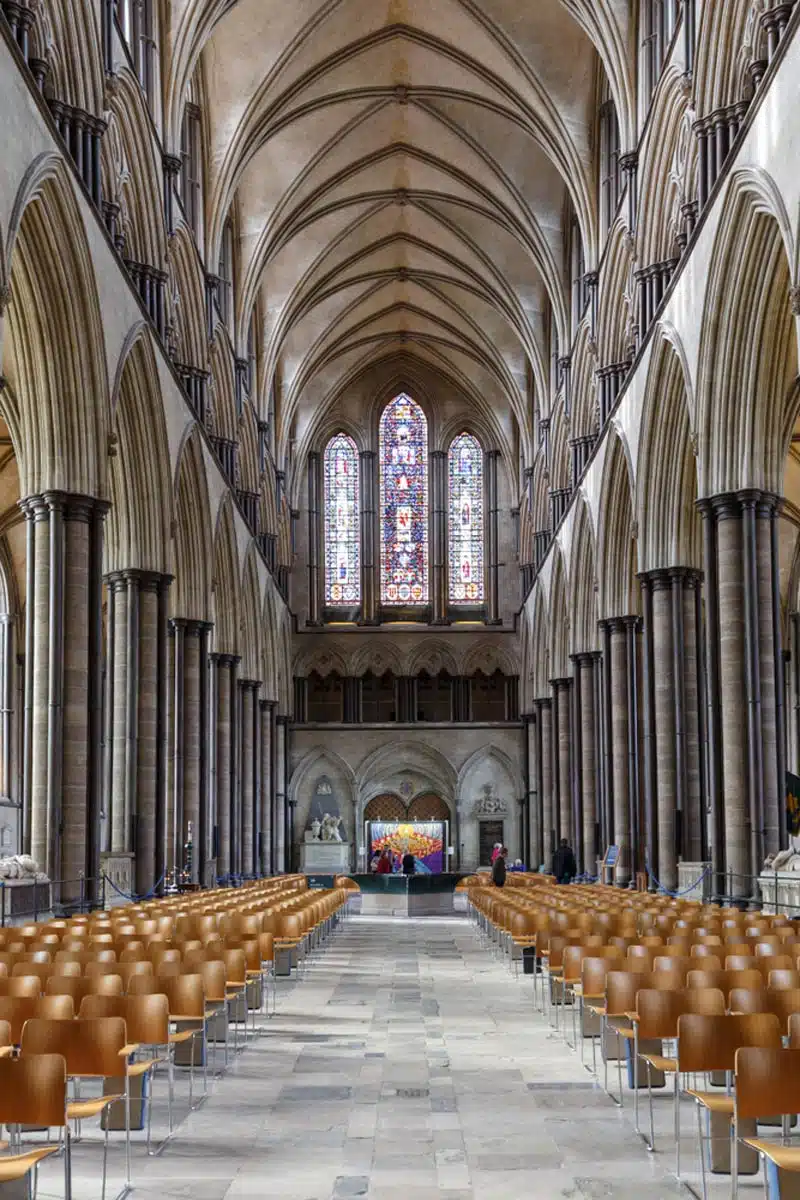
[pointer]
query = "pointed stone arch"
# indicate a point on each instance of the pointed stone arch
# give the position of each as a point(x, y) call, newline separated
point(252, 640)
point(190, 595)
point(247, 434)
point(616, 552)
point(748, 361)
point(670, 533)
point(559, 618)
point(614, 312)
point(559, 454)
point(583, 589)
point(222, 416)
point(132, 174)
point(56, 396)
point(585, 417)
point(724, 36)
point(662, 171)
point(139, 522)
point(539, 646)
point(186, 298)
point(227, 588)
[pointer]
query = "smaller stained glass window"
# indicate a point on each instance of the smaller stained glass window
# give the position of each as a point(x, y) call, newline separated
point(342, 549)
point(465, 520)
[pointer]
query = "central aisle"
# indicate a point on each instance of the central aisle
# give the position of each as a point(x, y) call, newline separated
point(407, 1064)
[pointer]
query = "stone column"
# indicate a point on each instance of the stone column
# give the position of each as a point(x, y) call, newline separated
point(562, 689)
point(137, 628)
point(63, 730)
point(370, 590)
point(585, 685)
point(193, 723)
point(223, 666)
point(247, 700)
point(265, 709)
point(546, 776)
point(532, 839)
point(746, 671)
point(620, 742)
point(491, 459)
point(314, 537)
point(281, 807)
point(439, 582)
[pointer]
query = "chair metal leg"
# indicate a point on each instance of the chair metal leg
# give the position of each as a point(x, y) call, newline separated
point(677, 1102)
point(702, 1152)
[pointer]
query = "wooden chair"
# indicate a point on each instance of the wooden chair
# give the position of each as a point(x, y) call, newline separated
point(33, 1091)
point(16, 1010)
point(708, 1043)
point(147, 1025)
point(656, 1019)
point(92, 1049)
point(767, 1081)
point(725, 980)
point(21, 985)
point(780, 979)
point(84, 985)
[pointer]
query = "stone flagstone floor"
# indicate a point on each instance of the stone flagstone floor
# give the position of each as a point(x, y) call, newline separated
point(407, 1063)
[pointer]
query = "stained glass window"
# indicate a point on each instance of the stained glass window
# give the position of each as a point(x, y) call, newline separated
point(403, 444)
point(342, 549)
point(465, 520)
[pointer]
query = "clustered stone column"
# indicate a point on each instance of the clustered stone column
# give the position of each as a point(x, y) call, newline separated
point(137, 630)
point(249, 776)
point(62, 768)
point(314, 537)
point(674, 786)
point(546, 825)
point(584, 758)
point(438, 492)
point(622, 781)
point(226, 667)
point(266, 710)
point(562, 792)
point(281, 813)
point(369, 570)
point(491, 459)
point(745, 683)
point(189, 808)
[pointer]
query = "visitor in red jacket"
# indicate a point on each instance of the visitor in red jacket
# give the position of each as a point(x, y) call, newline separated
point(384, 864)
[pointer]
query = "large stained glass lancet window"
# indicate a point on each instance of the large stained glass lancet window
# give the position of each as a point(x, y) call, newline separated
point(465, 520)
point(342, 551)
point(403, 446)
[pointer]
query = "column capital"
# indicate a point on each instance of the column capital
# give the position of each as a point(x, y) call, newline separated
point(620, 624)
point(586, 658)
point(629, 161)
point(543, 702)
point(562, 682)
point(249, 685)
point(726, 505)
point(667, 576)
point(172, 164)
point(195, 628)
point(266, 705)
point(282, 719)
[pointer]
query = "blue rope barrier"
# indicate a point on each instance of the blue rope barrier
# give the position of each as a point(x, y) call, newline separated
point(666, 891)
point(135, 899)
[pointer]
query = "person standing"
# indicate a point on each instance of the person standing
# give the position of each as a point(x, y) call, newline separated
point(499, 868)
point(384, 866)
point(409, 863)
point(565, 867)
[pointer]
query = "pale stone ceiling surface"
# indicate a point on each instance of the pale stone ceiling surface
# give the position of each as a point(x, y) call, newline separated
point(400, 172)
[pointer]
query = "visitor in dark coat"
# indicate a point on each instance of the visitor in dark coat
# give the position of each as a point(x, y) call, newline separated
point(565, 867)
point(499, 868)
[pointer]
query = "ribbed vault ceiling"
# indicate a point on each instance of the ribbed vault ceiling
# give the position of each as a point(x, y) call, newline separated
point(400, 171)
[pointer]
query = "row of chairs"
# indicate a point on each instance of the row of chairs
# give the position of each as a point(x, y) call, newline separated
point(159, 977)
point(647, 971)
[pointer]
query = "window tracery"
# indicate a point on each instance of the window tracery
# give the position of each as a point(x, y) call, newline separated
point(465, 521)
